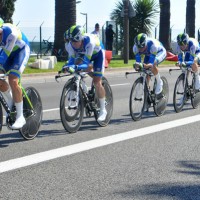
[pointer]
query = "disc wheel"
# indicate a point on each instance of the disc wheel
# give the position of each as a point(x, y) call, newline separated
point(33, 115)
point(161, 100)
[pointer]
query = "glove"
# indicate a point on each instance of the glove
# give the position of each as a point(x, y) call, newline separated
point(183, 64)
point(68, 68)
point(138, 66)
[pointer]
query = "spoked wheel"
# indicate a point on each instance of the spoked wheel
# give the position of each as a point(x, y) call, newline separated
point(108, 104)
point(179, 97)
point(195, 97)
point(161, 100)
point(71, 108)
point(33, 116)
point(1, 117)
point(137, 99)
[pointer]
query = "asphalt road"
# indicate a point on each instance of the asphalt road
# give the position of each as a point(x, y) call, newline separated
point(155, 158)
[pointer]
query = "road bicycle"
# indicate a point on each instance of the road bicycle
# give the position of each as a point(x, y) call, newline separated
point(76, 98)
point(142, 96)
point(185, 89)
point(32, 111)
point(49, 50)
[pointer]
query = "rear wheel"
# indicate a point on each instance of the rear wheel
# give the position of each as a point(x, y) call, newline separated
point(137, 99)
point(179, 97)
point(108, 103)
point(71, 111)
point(33, 115)
point(195, 97)
point(161, 100)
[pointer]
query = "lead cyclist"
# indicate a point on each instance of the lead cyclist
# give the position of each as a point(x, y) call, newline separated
point(14, 56)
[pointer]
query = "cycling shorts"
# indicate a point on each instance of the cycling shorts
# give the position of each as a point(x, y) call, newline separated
point(98, 63)
point(17, 61)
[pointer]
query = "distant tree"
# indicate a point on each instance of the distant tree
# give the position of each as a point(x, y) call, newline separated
point(190, 18)
point(164, 33)
point(146, 12)
point(7, 8)
point(65, 16)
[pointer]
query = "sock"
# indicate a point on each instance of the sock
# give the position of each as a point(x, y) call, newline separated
point(19, 109)
point(158, 79)
point(8, 97)
point(102, 103)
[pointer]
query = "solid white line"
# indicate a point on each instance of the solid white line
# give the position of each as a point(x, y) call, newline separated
point(84, 146)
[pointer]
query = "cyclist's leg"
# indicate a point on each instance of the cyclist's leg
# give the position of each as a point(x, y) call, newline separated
point(98, 66)
point(159, 58)
point(20, 59)
point(4, 87)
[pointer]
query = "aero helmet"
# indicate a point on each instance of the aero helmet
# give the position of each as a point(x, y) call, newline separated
point(182, 39)
point(140, 40)
point(74, 33)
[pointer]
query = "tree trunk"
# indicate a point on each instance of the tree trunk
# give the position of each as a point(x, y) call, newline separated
point(65, 17)
point(164, 32)
point(190, 18)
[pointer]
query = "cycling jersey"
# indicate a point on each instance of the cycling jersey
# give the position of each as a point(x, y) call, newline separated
point(154, 51)
point(192, 51)
point(15, 50)
point(91, 50)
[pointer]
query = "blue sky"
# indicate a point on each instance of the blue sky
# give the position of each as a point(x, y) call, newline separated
point(32, 13)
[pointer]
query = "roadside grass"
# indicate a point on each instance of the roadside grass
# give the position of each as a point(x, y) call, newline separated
point(113, 64)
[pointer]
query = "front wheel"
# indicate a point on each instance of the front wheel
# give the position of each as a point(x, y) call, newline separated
point(71, 107)
point(32, 115)
point(179, 97)
point(1, 117)
point(161, 100)
point(137, 99)
point(108, 103)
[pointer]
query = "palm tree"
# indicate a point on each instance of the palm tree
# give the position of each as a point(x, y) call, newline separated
point(65, 16)
point(190, 18)
point(164, 33)
point(146, 12)
point(7, 9)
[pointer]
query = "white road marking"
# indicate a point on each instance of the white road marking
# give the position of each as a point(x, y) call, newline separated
point(84, 146)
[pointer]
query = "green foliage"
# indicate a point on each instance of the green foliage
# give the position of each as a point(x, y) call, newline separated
point(7, 9)
point(146, 12)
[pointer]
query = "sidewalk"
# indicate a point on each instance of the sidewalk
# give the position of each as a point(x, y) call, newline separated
point(50, 76)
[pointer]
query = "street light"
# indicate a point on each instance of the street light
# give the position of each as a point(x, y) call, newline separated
point(86, 20)
point(156, 31)
point(78, 2)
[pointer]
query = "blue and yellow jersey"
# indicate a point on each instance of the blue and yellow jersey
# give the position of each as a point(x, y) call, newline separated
point(12, 40)
point(193, 48)
point(89, 50)
point(153, 48)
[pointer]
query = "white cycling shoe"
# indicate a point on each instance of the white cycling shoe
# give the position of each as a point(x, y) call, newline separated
point(19, 123)
point(159, 88)
point(102, 115)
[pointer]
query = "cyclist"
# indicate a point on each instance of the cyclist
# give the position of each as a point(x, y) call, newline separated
point(91, 50)
point(14, 56)
point(154, 53)
point(188, 50)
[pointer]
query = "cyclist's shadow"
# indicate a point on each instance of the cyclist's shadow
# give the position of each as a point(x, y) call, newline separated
point(8, 138)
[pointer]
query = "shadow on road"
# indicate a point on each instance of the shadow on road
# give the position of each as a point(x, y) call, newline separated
point(171, 190)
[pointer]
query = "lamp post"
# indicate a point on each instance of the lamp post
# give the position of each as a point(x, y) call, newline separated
point(85, 20)
point(170, 34)
point(156, 31)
